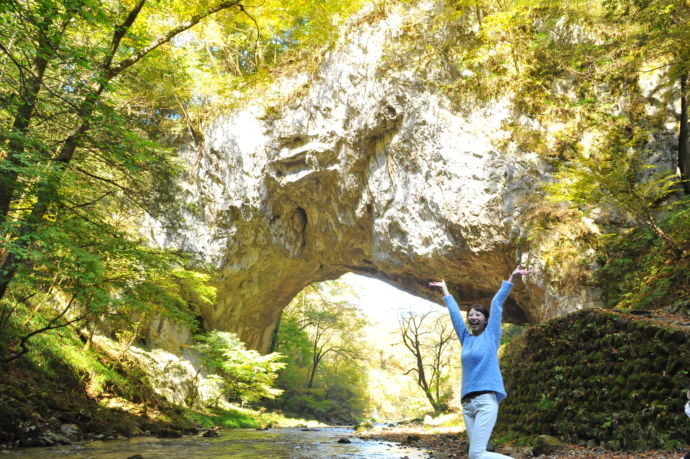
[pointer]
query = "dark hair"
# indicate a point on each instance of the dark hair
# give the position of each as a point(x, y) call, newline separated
point(479, 308)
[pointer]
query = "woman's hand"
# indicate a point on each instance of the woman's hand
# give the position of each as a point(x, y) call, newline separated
point(441, 284)
point(520, 272)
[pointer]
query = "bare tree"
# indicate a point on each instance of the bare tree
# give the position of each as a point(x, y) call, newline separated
point(429, 339)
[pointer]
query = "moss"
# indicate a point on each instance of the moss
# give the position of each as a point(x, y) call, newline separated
point(604, 369)
point(679, 337)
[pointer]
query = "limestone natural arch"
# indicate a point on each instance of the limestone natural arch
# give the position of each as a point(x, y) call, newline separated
point(361, 169)
point(401, 204)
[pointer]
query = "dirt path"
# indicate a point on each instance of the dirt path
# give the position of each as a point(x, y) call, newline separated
point(451, 445)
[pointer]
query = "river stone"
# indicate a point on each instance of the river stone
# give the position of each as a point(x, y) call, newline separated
point(46, 439)
point(69, 430)
point(411, 439)
point(360, 168)
point(168, 433)
point(546, 444)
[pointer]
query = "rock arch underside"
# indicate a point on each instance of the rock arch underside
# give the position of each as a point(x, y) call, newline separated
point(358, 168)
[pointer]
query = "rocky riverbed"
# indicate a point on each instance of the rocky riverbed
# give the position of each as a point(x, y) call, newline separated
point(451, 443)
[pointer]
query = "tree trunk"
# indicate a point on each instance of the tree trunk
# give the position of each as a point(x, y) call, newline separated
point(46, 49)
point(274, 336)
point(47, 191)
point(683, 144)
point(315, 364)
point(48, 185)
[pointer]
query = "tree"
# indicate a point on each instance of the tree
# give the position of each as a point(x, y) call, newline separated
point(612, 180)
point(94, 97)
point(321, 335)
point(76, 171)
point(429, 338)
point(562, 62)
point(122, 46)
point(654, 34)
point(247, 375)
point(594, 89)
point(327, 322)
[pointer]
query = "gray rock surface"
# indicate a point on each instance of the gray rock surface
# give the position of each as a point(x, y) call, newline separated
point(361, 169)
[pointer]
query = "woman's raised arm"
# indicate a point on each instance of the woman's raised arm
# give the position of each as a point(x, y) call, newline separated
point(453, 309)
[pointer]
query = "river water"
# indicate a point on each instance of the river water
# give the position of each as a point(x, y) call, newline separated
point(234, 443)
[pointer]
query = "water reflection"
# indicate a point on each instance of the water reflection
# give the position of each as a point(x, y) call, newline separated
point(236, 443)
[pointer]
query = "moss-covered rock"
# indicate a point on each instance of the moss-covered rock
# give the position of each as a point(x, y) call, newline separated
point(601, 376)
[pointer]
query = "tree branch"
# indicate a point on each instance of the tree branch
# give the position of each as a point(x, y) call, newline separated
point(136, 57)
point(88, 203)
point(49, 326)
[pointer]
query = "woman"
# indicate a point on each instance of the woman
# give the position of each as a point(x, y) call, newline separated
point(687, 411)
point(482, 384)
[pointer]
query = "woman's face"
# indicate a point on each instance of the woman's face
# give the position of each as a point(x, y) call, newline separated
point(477, 321)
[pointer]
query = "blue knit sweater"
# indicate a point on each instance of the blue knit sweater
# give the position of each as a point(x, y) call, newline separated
point(480, 369)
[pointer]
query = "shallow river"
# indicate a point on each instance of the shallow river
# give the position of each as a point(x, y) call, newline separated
point(234, 443)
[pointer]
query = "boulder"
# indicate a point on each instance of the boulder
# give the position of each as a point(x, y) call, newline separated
point(546, 444)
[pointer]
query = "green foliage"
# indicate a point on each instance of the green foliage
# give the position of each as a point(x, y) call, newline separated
point(131, 286)
point(593, 87)
point(231, 419)
point(59, 378)
point(229, 58)
point(247, 376)
point(59, 364)
point(642, 256)
point(90, 115)
point(57, 352)
point(320, 333)
point(636, 269)
point(510, 332)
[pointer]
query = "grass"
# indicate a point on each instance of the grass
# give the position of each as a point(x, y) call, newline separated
point(97, 388)
point(514, 438)
point(244, 418)
point(59, 351)
point(218, 417)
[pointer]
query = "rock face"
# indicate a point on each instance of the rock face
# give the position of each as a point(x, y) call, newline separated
point(179, 379)
point(360, 169)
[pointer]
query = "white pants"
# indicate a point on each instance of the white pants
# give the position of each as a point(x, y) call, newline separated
point(480, 415)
